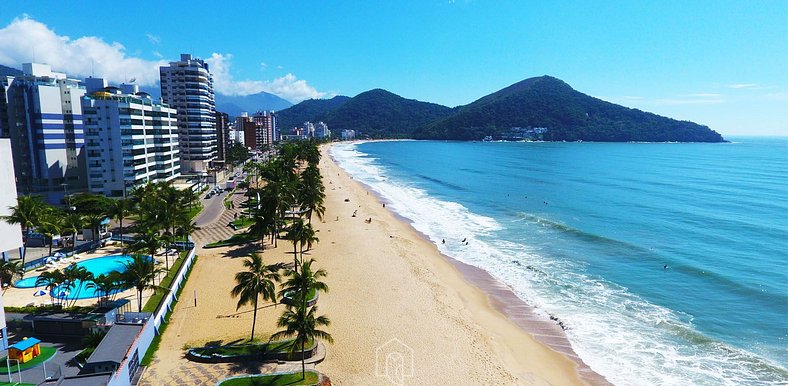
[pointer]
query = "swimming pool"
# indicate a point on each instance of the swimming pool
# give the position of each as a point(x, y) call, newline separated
point(97, 266)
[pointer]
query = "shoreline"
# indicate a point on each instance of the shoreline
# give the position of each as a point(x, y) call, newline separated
point(495, 300)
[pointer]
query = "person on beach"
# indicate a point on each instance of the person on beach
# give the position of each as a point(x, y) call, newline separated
point(443, 241)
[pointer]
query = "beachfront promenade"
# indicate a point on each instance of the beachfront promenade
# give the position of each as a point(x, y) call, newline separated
point(390, 292)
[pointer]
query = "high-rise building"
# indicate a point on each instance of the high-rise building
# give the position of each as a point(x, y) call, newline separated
point(43, 119)
point(245, 124)
point(131, 139)
point(187, 86)
point(222, 135)
point(266, 127)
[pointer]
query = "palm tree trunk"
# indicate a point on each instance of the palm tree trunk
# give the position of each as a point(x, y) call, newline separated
point(295, 258)
point(139, 300)
point(73, 242)
point(24, 250)
point(121, 233)
point(303, 361)
point(50, 246)
point(254, 317)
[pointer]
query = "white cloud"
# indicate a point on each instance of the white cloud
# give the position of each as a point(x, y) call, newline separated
point(263, 65)
point(27, 40)
point(288, 87)
point(153, 39)
point(280, 68)
point(743, 85)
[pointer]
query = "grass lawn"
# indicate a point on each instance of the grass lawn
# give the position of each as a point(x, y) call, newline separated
point(242, 222)
point(311, 295)
point(154, 346)
point(241, 238)
point(155, 299)
point(46, 353)
point(194, 211)
point(250, 348)
point(273, 380)
point(16, 384)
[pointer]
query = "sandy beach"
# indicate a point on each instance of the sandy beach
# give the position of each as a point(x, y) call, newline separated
point(396, 304)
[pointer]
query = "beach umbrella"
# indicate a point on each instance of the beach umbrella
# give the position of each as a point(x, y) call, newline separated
point(62, 294)
point(50, 259)
point(60, 255)
point(40, 293)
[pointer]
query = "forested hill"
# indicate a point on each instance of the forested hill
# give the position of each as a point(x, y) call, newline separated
point(312, 110)
point(381, 114)
point(568, 115)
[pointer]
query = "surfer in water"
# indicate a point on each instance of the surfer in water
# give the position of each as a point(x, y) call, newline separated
point(665, 267)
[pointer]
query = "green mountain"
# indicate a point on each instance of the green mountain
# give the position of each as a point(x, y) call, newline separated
point(312, 110)
point(381, 114)
point(568, 115)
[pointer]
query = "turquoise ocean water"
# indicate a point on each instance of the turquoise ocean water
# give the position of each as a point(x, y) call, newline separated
point(583, 231)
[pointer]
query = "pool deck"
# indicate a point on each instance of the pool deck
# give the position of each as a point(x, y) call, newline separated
point(20, 297)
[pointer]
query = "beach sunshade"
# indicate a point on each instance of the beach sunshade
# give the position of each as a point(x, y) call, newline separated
point(50, 259)
point(40, 293)
point(62, 294)
point(59, 254)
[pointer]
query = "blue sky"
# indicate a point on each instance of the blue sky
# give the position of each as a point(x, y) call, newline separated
point(719, 63)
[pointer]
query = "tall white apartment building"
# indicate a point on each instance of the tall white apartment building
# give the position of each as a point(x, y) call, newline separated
point(43, 119)
point(322, 131)
point(187, 86)
point(130, 138)
point(10, 234)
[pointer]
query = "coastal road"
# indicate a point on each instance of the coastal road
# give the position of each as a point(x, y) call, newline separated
point(212, 209)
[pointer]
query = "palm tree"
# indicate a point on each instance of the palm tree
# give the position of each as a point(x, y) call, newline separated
point(118, 210)
point(301, 234)
point(107, 285)
point(51, 225)
point(50, 280)
point(299, 285)
point(185, 229)
point(302, 324)
point(73, 274)
point(148, 241)
point(261, 225)
point(27, 213)
point(311, 192)
point(9, 270)
point(139, 273)
point(93, 221)
point(257, 280)
point(72, 223)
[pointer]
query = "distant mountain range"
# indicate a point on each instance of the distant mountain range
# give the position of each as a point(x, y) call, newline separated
point(537, 103)
point(543, 105)
point(9, 71)
point(235, 105)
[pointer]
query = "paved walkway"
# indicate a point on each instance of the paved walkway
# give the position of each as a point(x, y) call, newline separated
point(194, 373)
point(214, 227)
